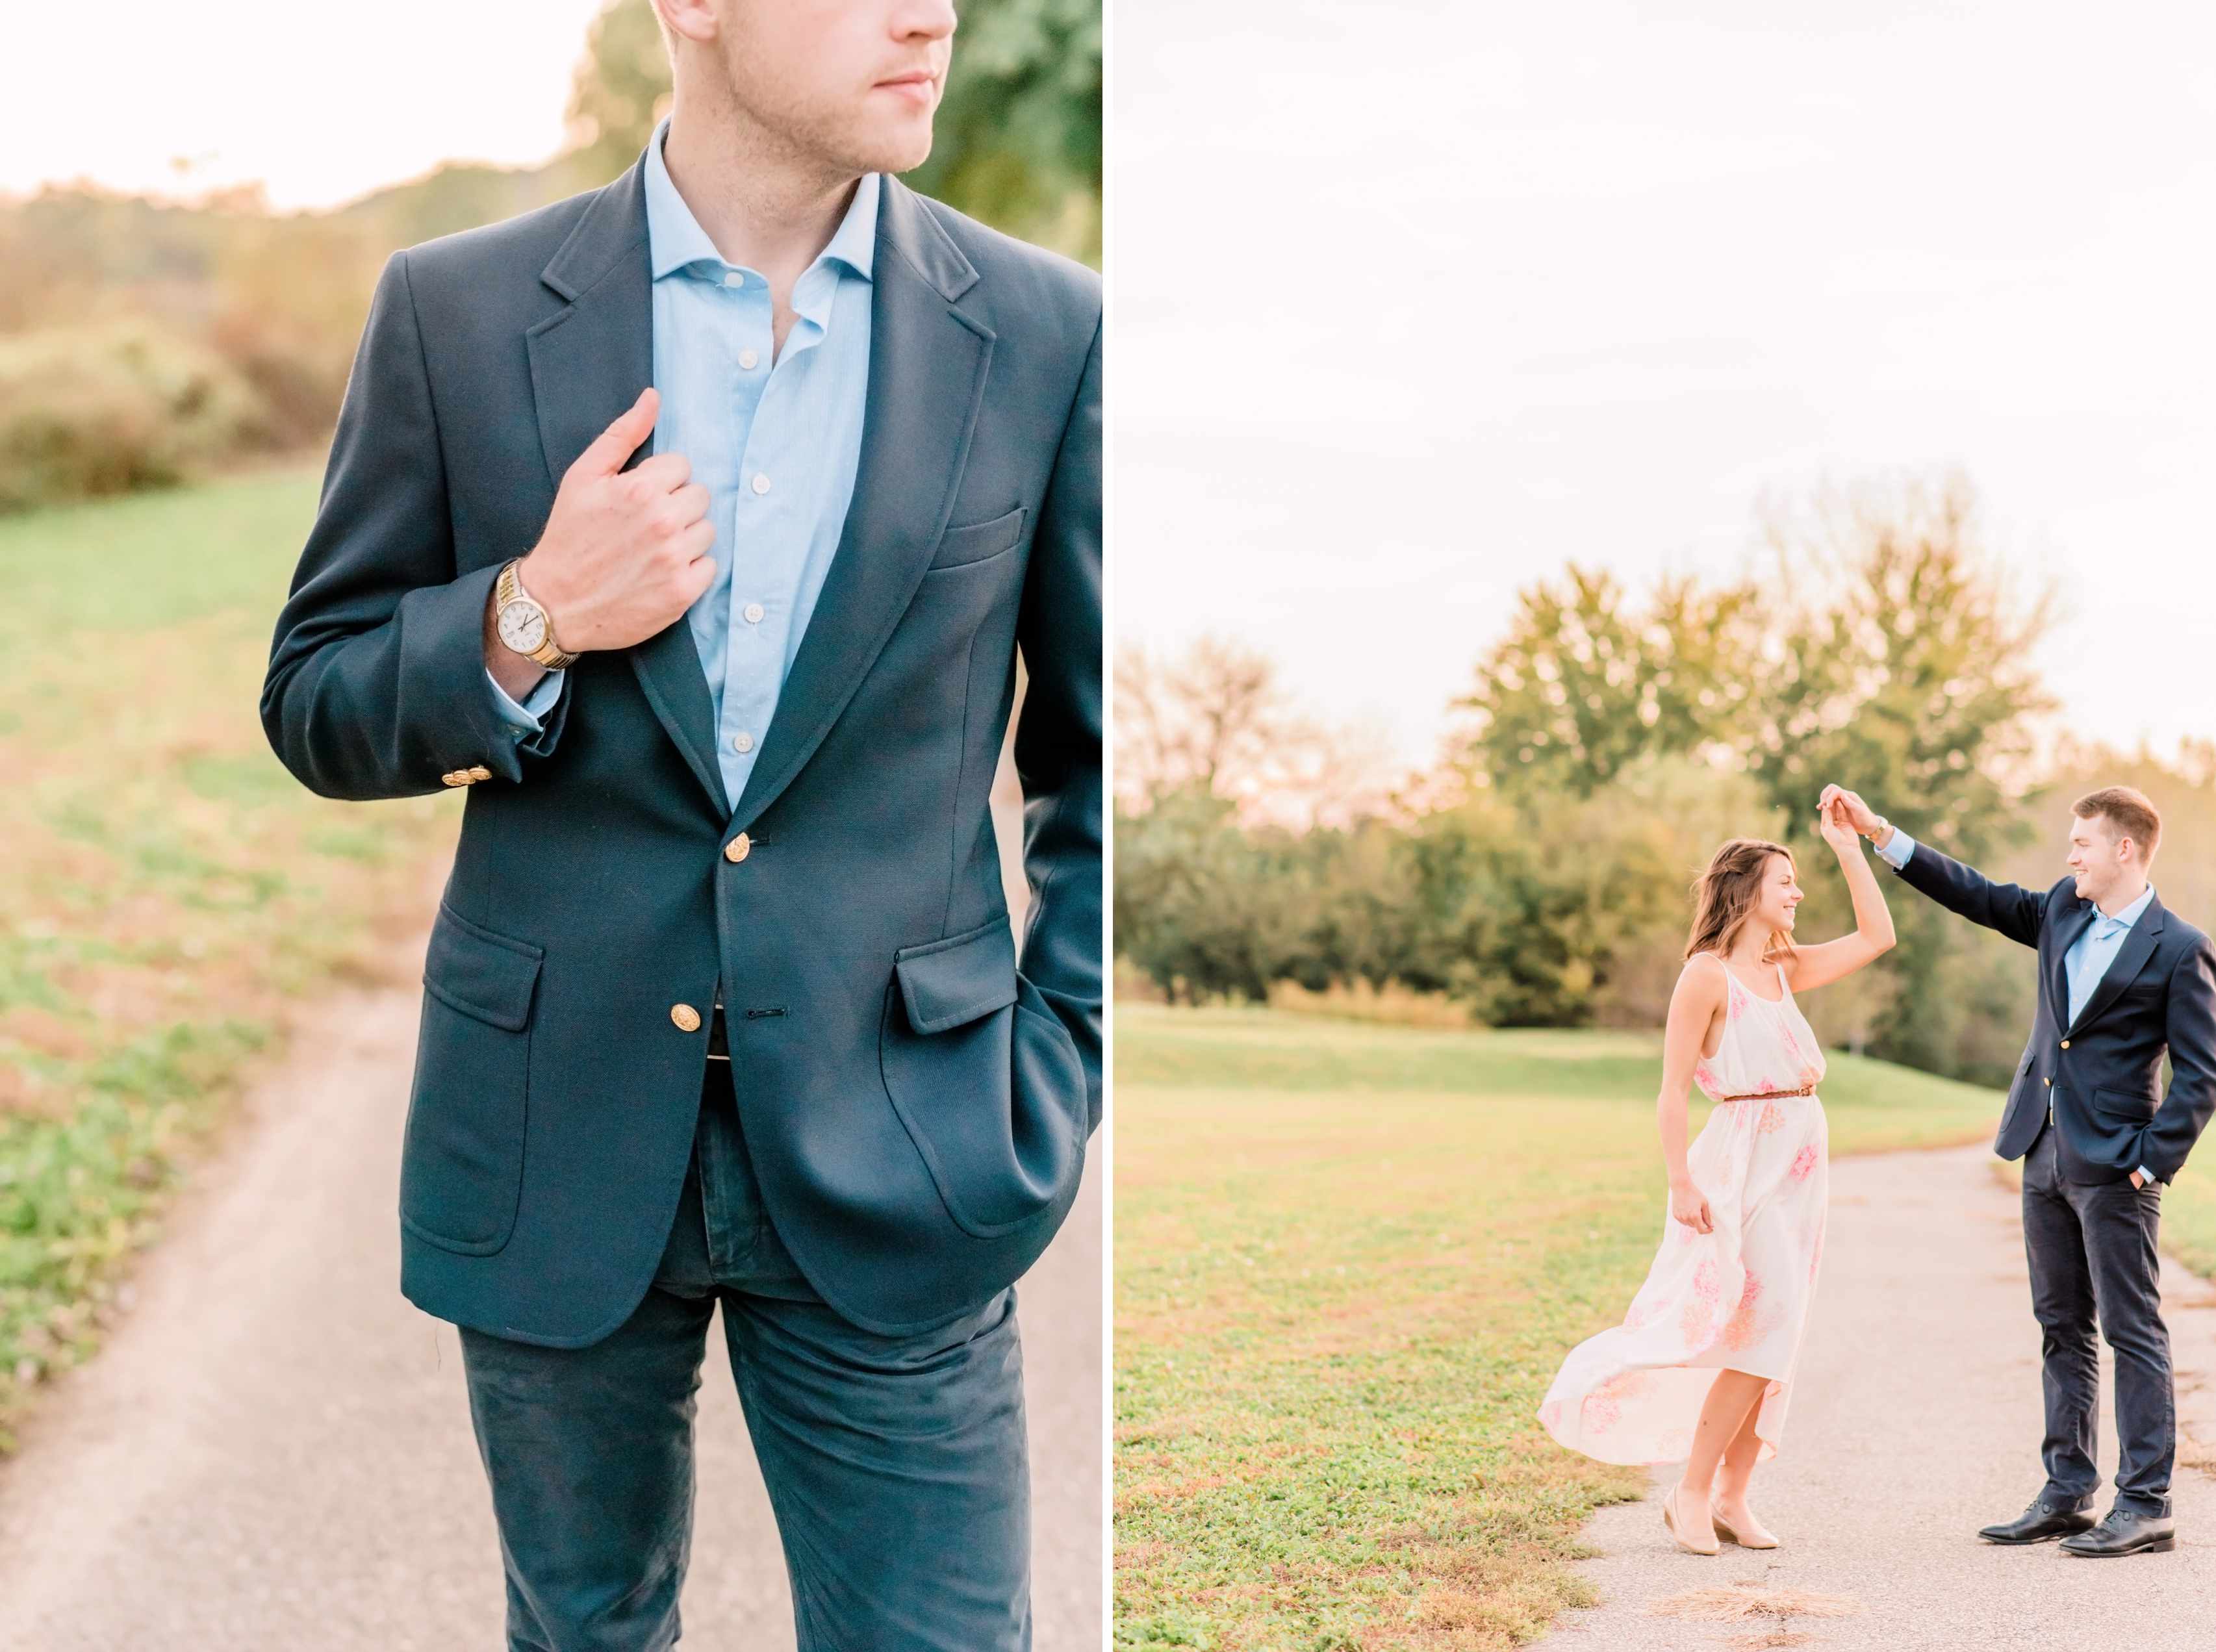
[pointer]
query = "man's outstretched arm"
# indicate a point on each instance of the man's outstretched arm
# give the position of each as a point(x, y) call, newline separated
point(2014, 911)
point(1058, 736)
point(377, 685)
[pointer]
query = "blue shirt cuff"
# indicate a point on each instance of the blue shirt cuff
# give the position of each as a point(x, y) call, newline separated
point(2148, 1174)
point(524, 719)
point(1897, 849)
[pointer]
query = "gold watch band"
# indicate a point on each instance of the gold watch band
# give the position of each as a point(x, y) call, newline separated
point(510, 587)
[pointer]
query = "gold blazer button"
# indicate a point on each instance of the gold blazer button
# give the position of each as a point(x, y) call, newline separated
point(736, 849)
point(455, 777)
point(686, 1017)
point(479, 772)
point(2065, 1043)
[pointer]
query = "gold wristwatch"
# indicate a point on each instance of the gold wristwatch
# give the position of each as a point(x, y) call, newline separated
point(522, 624)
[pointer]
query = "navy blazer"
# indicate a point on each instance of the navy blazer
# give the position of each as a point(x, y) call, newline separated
point(918, 1089)
point(2103, 1071)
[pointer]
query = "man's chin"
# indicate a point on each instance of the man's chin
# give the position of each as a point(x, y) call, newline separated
point(900, 148)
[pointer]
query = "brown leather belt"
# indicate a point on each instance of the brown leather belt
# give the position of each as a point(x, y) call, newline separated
point(1763, 1095)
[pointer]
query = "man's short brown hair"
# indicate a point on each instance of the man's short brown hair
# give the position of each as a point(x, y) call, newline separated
point(2129, 809)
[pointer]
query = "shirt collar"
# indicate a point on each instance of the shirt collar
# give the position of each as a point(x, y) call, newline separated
point(2130, 915)
point(674, 238)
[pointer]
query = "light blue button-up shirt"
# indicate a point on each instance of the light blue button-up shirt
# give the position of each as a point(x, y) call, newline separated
point(775, 437)
point(2089, 955)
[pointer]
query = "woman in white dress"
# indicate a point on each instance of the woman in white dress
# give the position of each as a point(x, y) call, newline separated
point(1700, 1369)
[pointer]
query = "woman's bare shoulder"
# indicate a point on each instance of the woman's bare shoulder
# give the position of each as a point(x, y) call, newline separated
point(1703, 978)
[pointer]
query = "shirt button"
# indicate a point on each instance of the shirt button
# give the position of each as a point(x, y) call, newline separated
point(760, 482)
point(742, 741)
point(753, 613)
point(747, 360)
point(733, 278)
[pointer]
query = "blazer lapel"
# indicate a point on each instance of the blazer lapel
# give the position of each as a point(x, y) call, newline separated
point(588, 362)
point(2066, 934)
point(2131, 957)
point(927, 377)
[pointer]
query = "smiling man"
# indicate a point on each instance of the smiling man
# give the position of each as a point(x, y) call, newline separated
point(691, 526)
point(2122, 981)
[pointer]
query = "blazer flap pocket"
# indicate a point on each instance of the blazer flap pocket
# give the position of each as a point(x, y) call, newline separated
point(974, 541)
point(480, 971)
point(947, 983)
point(2124, 1104)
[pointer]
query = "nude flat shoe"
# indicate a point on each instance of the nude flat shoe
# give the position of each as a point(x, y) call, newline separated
point(1748, 1541)
point(1670, 1519)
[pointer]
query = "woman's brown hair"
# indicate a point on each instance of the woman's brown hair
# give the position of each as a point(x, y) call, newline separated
point(1725, 893)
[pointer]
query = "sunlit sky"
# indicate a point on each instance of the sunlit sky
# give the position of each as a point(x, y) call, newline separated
point(320, 102)
point(1414, 301)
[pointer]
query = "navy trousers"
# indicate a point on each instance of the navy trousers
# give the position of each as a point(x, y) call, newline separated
point(2091, 1250)
point(896, 1466)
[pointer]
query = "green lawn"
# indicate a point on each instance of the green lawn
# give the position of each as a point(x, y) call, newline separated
point(170, 889)
point(1348, 1260)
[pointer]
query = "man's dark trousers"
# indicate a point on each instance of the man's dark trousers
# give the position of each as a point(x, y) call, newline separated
point(864, 1440)
point(2091, 1251)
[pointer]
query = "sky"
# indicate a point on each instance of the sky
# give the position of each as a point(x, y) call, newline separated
point(322, 103)
point(1413, 303)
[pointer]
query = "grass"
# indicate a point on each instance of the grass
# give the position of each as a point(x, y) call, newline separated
point(171, 891)
point(1348, 1260)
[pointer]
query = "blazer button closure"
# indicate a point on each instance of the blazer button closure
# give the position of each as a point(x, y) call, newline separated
point(455, 777)
point(2065, 1043)
point(477, 771)
point(2050, 1083)
point(686, 1017)
point(736, 849)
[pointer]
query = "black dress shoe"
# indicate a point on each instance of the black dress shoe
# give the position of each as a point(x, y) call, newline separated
point(2125, 1533)
point(2044, 1518)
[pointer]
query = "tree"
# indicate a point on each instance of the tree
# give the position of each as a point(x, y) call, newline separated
point(619, 90)
point(1586, 681)
point(1219, 720)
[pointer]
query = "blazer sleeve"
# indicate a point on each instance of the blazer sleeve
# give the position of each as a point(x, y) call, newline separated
point(2014, 911)
point(2191, 1029)
point(1058, 735)
point(376, 684)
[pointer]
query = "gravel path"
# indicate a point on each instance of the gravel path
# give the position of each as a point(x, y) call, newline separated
point(274, 1451)
point(1916, 1421)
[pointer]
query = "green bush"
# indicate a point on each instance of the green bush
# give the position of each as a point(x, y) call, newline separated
point(113, 407)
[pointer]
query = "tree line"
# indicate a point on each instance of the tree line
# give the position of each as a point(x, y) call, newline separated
point(1540, 875)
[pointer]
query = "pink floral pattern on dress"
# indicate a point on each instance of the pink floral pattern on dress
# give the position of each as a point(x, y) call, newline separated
point(1738, 1296)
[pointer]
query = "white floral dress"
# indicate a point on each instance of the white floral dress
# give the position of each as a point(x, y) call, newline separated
point(1737, 1296)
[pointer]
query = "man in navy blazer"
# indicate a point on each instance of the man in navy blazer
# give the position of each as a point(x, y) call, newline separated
point(722, 1002)
point(2122, 981)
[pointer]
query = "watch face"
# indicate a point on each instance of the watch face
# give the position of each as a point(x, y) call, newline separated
point(522, 626)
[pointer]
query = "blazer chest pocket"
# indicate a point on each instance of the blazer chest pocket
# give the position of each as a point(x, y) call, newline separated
point(979, 541)
point(982, 1084)
point(461, 1163)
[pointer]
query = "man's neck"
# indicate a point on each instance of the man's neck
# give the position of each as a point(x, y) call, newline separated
point(760, 204)
point(2122, 896)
